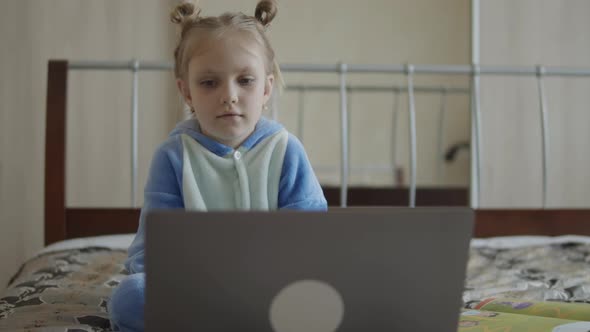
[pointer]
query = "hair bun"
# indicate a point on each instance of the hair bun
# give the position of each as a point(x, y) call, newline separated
point(184, 12)
point(266, 10)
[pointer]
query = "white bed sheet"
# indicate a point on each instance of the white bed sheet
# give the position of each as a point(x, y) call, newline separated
point(508, 242)
point(122, 241)
point(119, 241)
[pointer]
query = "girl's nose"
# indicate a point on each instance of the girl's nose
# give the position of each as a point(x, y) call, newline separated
point(229, 100)
point(229, 96)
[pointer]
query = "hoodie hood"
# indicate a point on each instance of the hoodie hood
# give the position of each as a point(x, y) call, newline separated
point(264, 128)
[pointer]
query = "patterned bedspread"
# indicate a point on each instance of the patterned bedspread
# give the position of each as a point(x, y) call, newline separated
point(555, 272)
point(68, 290)
point(63, 291)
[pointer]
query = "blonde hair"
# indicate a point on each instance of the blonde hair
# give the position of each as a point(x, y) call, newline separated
point(192, 26)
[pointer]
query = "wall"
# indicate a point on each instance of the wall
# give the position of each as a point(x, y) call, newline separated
point(32, 32)
point(528, 32)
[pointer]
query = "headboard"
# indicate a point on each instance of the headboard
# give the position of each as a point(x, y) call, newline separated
point(63, 223)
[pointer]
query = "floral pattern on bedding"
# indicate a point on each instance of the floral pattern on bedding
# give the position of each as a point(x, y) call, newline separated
point(65, 291)
point(553, 272)
point(68, 291)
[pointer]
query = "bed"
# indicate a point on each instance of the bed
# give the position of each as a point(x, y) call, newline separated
point(525, 253)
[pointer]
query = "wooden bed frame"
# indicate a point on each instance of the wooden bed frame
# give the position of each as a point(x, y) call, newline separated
point(63, 223)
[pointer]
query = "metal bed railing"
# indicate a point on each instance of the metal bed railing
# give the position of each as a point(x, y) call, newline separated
point(396, 90)
point(475, 71)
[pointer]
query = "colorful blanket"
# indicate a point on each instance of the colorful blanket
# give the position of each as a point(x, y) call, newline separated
point(63, 291)
point(68, 290)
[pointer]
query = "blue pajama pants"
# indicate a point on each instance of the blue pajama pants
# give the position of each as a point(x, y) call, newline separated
point(127, 303)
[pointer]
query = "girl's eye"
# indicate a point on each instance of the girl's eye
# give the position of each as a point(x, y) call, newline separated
point(246, 80)
point(208, 83)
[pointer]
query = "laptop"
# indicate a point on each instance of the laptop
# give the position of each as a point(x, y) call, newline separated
point(354, 269)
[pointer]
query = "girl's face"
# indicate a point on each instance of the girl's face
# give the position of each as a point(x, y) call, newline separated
point(227, 86)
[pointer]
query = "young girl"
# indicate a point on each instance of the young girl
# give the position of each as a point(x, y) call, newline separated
point(228, 157)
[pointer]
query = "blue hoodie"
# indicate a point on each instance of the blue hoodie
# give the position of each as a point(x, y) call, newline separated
point(270, 170)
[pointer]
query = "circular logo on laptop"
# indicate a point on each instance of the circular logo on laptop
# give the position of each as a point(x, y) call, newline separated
point(573, 327)
point(307, 305)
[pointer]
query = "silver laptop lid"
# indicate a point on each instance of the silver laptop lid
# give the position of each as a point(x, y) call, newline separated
point(384, 269)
